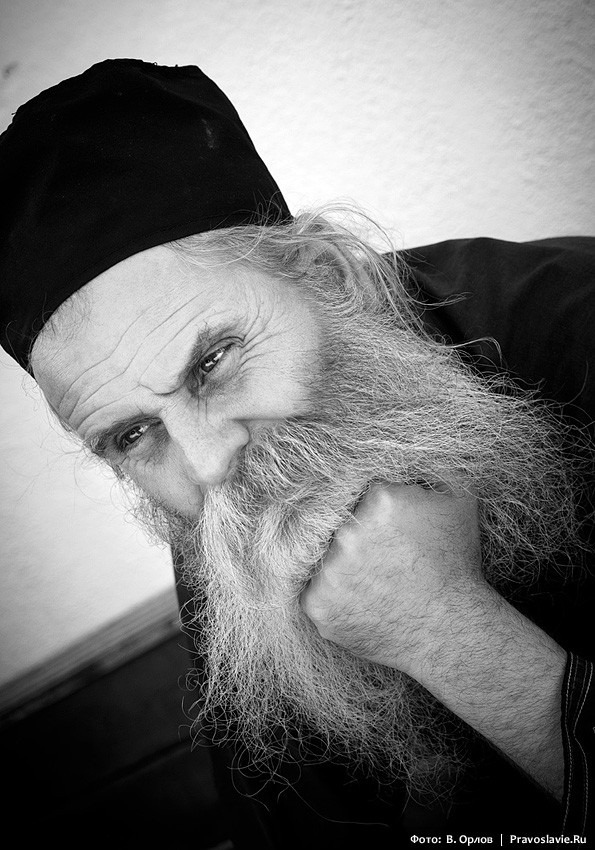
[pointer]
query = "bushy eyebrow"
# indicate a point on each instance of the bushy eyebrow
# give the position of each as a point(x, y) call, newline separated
point(99, 443)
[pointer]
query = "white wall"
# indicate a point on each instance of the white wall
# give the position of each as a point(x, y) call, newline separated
point(443, 118)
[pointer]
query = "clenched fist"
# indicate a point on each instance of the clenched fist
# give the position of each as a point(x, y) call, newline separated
point(409, 558)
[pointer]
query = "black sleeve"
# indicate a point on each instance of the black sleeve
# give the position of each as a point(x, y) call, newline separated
point(528, 308)
point(578, 734)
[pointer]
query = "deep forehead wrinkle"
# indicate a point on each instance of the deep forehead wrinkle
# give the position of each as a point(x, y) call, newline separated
point(118, 378)
point(206, 331)
point(202, 340)
point(68, 407)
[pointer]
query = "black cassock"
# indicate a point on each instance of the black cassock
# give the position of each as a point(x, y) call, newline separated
point(537, 301)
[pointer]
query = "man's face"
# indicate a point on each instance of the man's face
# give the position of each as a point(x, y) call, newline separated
point(170, 373)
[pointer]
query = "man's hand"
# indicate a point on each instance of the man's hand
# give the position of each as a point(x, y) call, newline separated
point(388, 571)
point(402, 585)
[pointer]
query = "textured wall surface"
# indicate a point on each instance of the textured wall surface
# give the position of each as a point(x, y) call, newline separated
point(445, 118)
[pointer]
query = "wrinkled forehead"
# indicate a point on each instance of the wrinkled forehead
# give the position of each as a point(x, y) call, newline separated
point(126, 300)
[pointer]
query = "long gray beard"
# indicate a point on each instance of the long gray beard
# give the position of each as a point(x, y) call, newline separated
point(386, 405)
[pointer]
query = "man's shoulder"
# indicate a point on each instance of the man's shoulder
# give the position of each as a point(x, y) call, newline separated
point(527, 307)
point(467, 263)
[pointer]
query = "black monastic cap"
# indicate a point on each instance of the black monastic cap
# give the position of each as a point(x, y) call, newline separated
point(123, 157)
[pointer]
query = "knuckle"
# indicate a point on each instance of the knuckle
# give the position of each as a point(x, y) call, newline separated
point(313, 605)
point(321, 611)
point(345, 543)
point(379, 489)
point(344, 532)
point(379, 499)
point(318, 616)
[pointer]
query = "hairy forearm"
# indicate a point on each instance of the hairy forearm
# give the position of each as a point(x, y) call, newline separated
point(502, 675)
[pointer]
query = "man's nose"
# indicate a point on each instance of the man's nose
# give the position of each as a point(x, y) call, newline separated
point(207, 447)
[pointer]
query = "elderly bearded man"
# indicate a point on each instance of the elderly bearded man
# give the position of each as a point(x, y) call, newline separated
point(356, 503)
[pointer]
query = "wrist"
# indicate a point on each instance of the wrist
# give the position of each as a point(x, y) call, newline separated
point(459, 627)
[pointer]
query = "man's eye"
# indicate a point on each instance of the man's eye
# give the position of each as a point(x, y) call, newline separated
point(208, 363)
point(128, 438)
